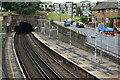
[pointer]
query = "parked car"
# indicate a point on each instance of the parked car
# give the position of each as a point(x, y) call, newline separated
point(79, 25)
point(71, 21)
point(67, 23)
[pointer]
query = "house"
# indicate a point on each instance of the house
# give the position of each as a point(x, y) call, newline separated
point(104, 11)
point(67, 7)
point(86, 7)
point(56, 7)
point(45, 6)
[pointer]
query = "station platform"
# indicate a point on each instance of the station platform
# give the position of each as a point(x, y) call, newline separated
point(1, 18)
point(105, 70)
point(10, 64)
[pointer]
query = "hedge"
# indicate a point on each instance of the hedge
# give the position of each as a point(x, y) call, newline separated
point(111, 21)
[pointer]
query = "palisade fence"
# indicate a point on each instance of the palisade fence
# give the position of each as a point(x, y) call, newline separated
point(79, 39)
point(109, 43)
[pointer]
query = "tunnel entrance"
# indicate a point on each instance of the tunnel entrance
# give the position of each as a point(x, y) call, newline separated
point(24, 27)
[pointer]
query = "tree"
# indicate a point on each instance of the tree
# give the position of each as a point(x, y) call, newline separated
point(48, 9)
point(63, 11)
point(79, 11)
point(41, 9)
point(84, 19)
point(26, 8)
point(22, 7)
point(68, 2)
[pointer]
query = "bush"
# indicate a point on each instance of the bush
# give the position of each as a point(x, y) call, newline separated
point(51, 21)
point(77, 20)
point(111, 21)
point(84, 19)
point(48, 9)
point(90, 19)
point(41, 9)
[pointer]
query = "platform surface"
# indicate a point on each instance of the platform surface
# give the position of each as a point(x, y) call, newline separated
point(84, 59)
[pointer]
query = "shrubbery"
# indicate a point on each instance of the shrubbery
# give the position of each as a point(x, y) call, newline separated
point(111, 21)
point(84, 19)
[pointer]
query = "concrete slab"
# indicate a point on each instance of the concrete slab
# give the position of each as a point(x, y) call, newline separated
point(1, 18)
point(85, 59)
point(10, 66)
point(0, 57)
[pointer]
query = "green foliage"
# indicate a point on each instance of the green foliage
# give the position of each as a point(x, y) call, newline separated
point(77, 20)
point(4, 24)
point(8, 5)
point(48, 9)
point(51, 21)
point(79, 11)
point(68, 2)
point(78, 35)
point(84, 19)
point(22, 7)
point(41, 9)
point(63, 11)
point(90, 19)
point(111, 21)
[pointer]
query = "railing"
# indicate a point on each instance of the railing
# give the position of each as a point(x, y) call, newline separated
point(109, 43)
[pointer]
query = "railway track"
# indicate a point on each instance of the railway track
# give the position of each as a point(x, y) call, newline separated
point(37, 62)
point(50, 59)
point(30, 69)
point(34, 67)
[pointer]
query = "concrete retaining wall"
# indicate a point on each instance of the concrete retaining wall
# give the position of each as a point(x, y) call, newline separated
point(77, 39)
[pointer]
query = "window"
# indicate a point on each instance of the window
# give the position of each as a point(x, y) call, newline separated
point(96, 19)
point(84, 7)
point(92, 19)
point(102, 12)
point(115, 10)
point(95, 11)
point(111, 10)
point(102, 19)
point(107, 10)
point(98, 11)
point(106, 20)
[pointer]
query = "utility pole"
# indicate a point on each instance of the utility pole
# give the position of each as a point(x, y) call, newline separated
point(71, 10)
point(60, 12)
point(0, 8)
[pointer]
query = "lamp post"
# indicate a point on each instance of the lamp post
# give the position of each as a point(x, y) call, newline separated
point(95, 41)
point(0, 8)
point(41, 25)
point(9, 11)
point(95, 51)
point(101, 49)
point(57, 32)
point(70, 36)
point(71, 24)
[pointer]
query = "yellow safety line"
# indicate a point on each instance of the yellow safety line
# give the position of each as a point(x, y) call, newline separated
point(81, 62)
point(86, 65)
point(10, 60)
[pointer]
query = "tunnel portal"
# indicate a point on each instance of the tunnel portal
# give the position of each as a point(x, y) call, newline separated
point(24, 27)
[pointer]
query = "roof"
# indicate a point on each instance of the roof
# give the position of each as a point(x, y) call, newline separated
point(106, 5)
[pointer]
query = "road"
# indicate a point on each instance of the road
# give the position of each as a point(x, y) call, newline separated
point(109, 43)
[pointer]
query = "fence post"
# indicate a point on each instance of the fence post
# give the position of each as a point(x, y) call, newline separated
point(115, 44)
point(41, 25)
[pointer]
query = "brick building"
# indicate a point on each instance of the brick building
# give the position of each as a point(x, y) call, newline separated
point(104, 11)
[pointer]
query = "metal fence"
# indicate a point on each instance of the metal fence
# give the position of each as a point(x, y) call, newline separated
point(106, 42)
